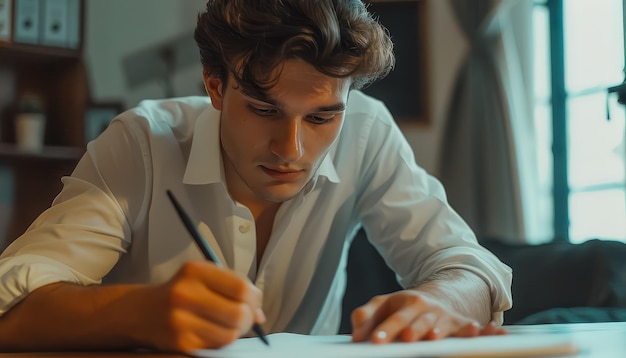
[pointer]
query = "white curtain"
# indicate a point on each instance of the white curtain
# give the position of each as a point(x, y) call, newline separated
point(488, 162)
point(516, 68)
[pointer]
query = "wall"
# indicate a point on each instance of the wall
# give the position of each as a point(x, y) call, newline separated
point(117, 28)
point(446, 47)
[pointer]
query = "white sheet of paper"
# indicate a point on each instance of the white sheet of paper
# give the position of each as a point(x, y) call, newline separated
point(295, 345)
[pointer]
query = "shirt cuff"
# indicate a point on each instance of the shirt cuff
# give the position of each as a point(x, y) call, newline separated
point(21, 275)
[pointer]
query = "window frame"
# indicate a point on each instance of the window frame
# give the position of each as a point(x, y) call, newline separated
point(558, 100)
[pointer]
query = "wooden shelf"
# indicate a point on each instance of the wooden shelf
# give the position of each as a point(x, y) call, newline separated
point(13, 152)
point(16, 52)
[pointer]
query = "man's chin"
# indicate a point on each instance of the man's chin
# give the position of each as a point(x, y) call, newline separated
point(280, 194)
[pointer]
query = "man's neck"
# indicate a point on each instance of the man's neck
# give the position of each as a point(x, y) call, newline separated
point(263, 211)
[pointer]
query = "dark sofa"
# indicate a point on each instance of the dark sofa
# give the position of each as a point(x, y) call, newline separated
point(552, 283)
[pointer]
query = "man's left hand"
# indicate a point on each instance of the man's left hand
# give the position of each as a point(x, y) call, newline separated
point(411, 315)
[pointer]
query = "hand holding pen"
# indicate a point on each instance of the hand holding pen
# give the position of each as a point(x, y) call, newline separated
point(206, 251)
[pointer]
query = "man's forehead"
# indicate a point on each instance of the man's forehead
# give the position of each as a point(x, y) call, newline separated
point(292, 83)
point(293, 69)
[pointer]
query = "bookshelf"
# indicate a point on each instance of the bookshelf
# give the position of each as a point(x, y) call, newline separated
point(55, 74)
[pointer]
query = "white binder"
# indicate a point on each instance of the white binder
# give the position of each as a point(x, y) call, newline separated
point(73, 23)
point(54, 29)
point(26, 21)
point(5, 20)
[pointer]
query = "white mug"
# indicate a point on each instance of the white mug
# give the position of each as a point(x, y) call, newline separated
point(29, 130)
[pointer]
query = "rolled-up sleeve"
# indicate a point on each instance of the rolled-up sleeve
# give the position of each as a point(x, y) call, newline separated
point(82, 235)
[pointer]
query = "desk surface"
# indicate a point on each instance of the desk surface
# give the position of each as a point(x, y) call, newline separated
point(606, 340)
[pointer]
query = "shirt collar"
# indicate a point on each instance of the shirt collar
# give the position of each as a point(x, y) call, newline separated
point(205, 164)
point(327, 168)
point(205, 158)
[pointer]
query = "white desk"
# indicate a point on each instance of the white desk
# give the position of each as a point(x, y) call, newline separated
point(595, 340)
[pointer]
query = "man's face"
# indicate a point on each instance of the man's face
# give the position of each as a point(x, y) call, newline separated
point(272, 146)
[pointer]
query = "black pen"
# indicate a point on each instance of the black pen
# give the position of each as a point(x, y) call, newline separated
point(206, 250)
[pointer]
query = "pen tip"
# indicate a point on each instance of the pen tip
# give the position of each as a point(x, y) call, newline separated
point(259, 332)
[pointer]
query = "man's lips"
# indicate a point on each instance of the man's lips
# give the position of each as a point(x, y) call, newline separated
point(282, 174)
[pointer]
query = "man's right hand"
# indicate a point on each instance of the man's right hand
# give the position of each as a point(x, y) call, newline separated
point(201, 306)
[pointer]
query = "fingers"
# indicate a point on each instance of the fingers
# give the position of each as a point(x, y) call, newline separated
point(209, 307)
point(212, 306)
point(223, 281)
point(409, 317)
point(491, 329)
point(403, 315)
point(471, 329)
point(423, 327)
point(200, 333)
point(411, 324)
point(364, 319)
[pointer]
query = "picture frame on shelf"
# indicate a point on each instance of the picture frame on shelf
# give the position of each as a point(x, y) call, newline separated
point(98, 116)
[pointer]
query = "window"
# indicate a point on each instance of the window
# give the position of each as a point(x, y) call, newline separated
point(579, 53)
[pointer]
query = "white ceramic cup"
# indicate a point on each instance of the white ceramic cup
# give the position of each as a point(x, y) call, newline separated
point(29, 130)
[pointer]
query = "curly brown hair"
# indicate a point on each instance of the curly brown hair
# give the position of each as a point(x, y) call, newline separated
point(251, 38)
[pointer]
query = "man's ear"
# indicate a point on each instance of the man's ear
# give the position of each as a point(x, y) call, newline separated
point(213, 86)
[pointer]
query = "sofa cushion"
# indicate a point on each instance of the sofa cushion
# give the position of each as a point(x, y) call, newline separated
point(576, 315)
point(563, 275)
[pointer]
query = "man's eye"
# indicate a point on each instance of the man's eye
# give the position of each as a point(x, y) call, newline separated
point(262, 111)
point(321, 119)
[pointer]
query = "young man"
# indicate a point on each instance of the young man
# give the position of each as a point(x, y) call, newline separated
point(279, 167)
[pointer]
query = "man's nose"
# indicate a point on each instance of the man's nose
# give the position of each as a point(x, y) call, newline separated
point(287, 140)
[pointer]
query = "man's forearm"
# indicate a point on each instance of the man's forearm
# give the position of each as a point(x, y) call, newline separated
point(460, 290)
point(64, 316)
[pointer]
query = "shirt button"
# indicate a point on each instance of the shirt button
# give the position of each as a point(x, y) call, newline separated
point(244, 228)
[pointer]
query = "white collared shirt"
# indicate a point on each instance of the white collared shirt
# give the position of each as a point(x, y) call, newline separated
point(113, 223)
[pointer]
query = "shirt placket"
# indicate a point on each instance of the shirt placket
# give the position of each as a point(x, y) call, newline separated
point(244, 242)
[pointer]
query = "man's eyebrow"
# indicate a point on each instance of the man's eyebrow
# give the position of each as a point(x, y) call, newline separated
point(262, 98)
point(338, 107)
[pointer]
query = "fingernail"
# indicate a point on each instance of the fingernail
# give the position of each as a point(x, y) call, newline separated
point(436, 331)
point(381, 335)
